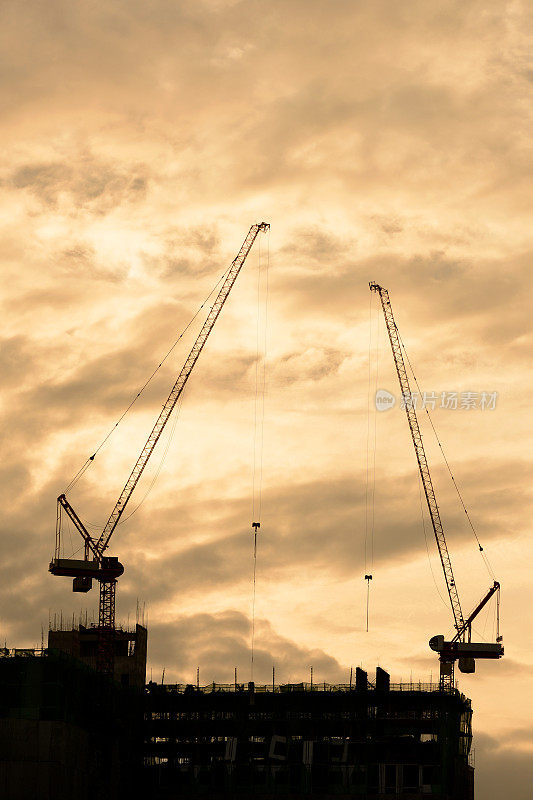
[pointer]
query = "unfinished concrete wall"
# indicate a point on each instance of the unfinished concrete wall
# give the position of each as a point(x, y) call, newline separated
point(130, 650)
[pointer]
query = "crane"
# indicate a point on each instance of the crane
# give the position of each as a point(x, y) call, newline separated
point(460, 648)
point(95, 563)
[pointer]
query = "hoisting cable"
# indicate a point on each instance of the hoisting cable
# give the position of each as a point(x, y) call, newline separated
point(260, 387)
point(375, 446)
point(255, 528)
point(495, 621)
point(498, 637)
point(162, 461)
point(87, 463)
point(97, 526)
point(368, 578)
point(426, 540)
point(368, 427)
point(259, 410)
point(263, 387)
point(481, 549)
point(58, 531)
point(370, 490)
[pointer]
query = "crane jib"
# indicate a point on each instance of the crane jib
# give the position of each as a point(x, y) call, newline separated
point(461, 648)
point(179, 385)
point(416, 436)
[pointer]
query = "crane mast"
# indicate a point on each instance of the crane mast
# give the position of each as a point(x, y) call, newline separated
point(106, 569)
point(457, 648)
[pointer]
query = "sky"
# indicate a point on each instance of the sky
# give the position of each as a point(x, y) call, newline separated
point(382, 142)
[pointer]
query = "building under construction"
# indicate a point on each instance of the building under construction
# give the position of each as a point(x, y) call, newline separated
point(67, 731)
point(129, 650)
point(366, 740)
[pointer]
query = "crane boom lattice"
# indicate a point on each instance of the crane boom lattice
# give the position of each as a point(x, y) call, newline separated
point(179, 386)
point(465, 652)
point(416, 436)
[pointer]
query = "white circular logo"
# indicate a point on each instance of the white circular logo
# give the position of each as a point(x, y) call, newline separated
point(384, 400)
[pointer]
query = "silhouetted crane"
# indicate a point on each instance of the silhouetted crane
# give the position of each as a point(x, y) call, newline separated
point(95, 564)
point(460, 648)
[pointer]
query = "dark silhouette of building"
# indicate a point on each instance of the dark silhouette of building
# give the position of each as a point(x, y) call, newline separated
point(65, 731)
point(366, 740)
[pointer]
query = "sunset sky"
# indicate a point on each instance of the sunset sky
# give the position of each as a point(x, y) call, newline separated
point(382, 141)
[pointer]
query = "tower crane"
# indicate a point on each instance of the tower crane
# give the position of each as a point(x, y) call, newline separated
point(95, 563)
point(460, 648)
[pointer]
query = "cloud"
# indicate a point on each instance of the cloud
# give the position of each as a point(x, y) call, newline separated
point(343, 288)
point(87, 182)
point(502, 770)
point(310, 245)
point(383, 141)
point(219, 642)
point(316, 526)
